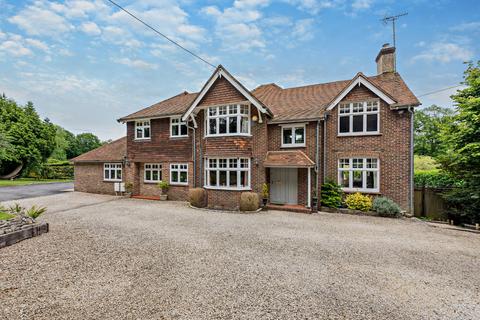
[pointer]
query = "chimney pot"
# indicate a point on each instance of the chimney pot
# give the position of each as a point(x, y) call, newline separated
point(386, 59)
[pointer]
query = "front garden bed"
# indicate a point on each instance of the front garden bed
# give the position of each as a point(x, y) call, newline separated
point(349, 211)
point(20, 228)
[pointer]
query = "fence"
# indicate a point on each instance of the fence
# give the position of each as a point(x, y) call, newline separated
point(429, 203)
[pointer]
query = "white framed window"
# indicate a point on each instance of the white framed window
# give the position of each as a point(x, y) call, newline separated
point(359, 118)
point(179, 173)
point(227, 120)
point(112, 172)
point(359, 174)
point(227, 173)
point(178, 128)
point(293, 135)
point(152, 172)
point(142, 129)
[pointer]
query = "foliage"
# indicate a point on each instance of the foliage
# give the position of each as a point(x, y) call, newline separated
point(64, 143)
point(331, 194)
point(386, 207)
point(82, 143)
point(32, 139)
point(424, 163)
point(358, 201)
point(462, 159)
point(5, 216)
point(16, 208)
point(434, 179)
point(28, 181)
point(197, 197)
point(164, 186)
point(265, 191)
point(128, 187)
point(34, 212)
point(428, 125)
point(249, 201)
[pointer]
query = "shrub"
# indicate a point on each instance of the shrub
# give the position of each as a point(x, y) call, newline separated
point(34, 212)
point(265, 191)
point(435, 179)
point(197, 197)
point(129, 187)
point(164, 186)
point(422, 163)
point(358, 201)
point(331, 194)
point(386, 207)
point(249, 201)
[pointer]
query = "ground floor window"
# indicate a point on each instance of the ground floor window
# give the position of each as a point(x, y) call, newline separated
point(179, 173)
point(358, 174)
point(152, 172)
point(227, 173)
point(112, 171)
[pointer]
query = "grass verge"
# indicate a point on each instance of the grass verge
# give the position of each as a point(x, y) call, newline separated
point(28, 181)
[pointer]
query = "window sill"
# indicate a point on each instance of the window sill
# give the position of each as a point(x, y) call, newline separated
point(142, 139)
point(227, 188)
point(360, 134)
point(228, 135)
point(293, 146)
point(151, 182)
point(178, 137)
point(112, 180)
point(177, 184)
point(369, 191)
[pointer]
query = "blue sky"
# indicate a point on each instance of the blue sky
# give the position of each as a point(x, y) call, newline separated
point(84, 63)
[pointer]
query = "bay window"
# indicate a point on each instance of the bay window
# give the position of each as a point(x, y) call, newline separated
point(293, 136)
point(142, 129)
point(152, 172)
point(356, 118)
point(227, 173)
point(231, 119)
point(112, 171)
point(358, 174)
point(179, 173)
point(178, 128)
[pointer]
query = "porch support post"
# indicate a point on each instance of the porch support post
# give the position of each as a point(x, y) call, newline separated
point(309, 187)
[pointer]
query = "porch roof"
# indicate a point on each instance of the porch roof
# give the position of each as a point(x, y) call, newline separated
point(288, 159)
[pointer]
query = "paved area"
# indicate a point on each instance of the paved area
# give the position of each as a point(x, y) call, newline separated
point(33, 190)
point(106, 258)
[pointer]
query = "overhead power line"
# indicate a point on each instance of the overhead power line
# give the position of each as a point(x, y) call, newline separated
point(439, 90)
point(159, 33)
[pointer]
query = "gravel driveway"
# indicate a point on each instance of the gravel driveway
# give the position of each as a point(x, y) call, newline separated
point(110, 258)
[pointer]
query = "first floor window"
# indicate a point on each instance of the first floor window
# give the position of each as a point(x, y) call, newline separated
point(112, 171)
point(153, 172)
point(227, 173)
point(228, 120)
point(178, 128)
point(179, 173)
point(358, 174)
point(142, 129)
point(293, 136)
point(358, 117)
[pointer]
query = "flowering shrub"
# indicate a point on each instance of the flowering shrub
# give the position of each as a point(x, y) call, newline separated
point(358, 201)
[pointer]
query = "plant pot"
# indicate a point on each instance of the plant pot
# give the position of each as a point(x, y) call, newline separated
point(264, 201)
point(163, 197)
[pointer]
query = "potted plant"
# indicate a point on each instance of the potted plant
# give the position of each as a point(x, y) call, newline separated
point(265, 192)
point(164, 186)
point(128, 189)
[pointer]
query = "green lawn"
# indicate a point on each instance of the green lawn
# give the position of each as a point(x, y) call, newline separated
point(5, 216)
point(26, 181)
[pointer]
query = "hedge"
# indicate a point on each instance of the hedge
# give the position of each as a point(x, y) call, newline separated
point(434, 179)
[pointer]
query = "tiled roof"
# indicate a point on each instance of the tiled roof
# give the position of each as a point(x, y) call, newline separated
point(285, 159)
point(298, 103)
point(113, 151)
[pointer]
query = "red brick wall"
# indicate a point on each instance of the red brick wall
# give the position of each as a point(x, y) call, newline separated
point(89, 178)
point(391, 146)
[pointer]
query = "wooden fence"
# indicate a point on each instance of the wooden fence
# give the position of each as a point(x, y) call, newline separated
point(429, 203)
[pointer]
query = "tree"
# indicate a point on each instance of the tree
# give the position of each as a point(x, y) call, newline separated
point(32, 140)
point(428, 125)
point(462, 139)
point(64, 141)
point(82, 143)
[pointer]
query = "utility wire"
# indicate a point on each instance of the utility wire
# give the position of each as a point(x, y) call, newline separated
point(440, 90)
point(159, 33)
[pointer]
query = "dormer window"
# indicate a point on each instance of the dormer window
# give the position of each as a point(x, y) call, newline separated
point(358, 118)
point(178, 128)
point(142, 129)
point(227, 120)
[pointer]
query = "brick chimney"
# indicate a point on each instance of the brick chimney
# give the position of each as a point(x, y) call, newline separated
point(386, 59)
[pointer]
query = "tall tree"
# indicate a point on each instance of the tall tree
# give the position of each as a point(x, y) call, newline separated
point(82, 143)
point(428, 125)
point(462, 139)
point(64, 141)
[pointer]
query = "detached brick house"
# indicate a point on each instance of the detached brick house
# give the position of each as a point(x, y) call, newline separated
point(228, 139)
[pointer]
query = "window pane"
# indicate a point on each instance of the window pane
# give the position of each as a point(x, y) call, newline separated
point(148, 175)
point(175, 130)
point(244, 109)
point(233, 178)
point(243, 178)
point(345, 179)
point(183, 176)
point(222, 163)
point(371, 179)
point(232, 124)
point(299, 135)
point(371, 163)
point(358, 123)
point(223, 178)
point(344, 108)
point(139, 133)
point(222, 110)
point(174, 176)
point(106, 174)
point(119, 174)
point(358, 163)
point(287, 136)
point(213, 178)
point(345, 124)
point(146, 132)
point(155, 175)
point(372, 122)
point(184, 130)
point(358, 107)
point(212, 111)
point(232, 109)
point(222, 125)
point(213, 126)
point(357, 179)
point(243, 163)
point(244, 122)
point(344, 163)
point(232, 163)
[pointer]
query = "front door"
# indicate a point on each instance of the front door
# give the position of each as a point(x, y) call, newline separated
point(283, 185)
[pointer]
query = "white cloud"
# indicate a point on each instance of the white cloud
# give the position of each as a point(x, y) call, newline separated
point(37, 44)
point(15, 48)
point(362, 4)
point(303, 29)
point(74, 9)
point(136, 63)
point(90, 28)
point(315, 6)
point(41, 21)
point(65, 52)
point(444, 52)
point(467, 26)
